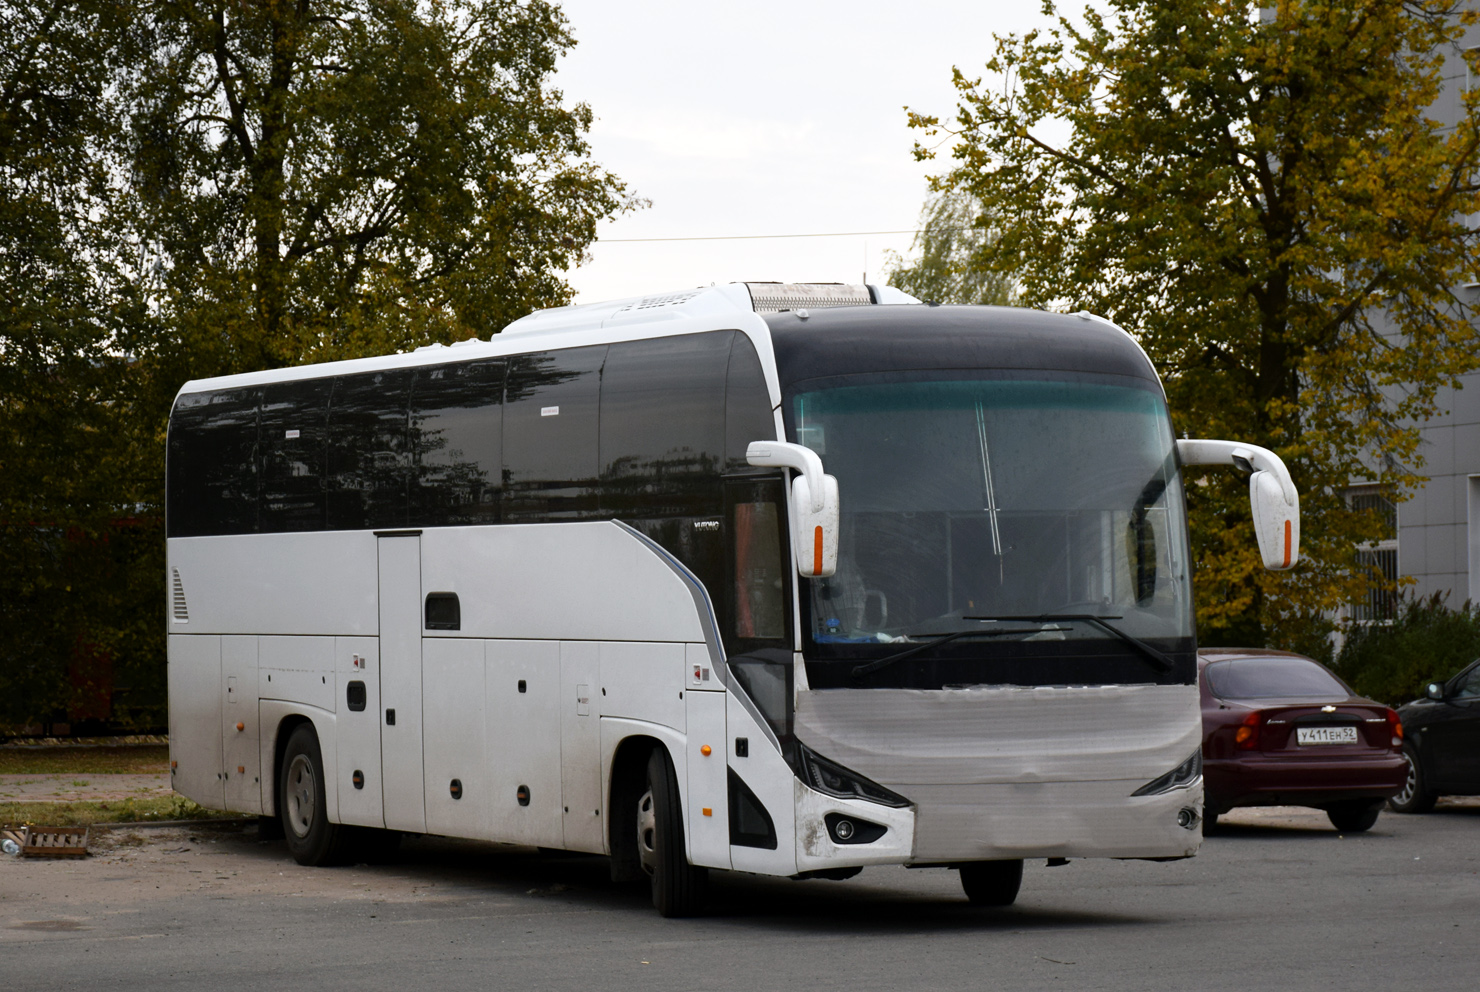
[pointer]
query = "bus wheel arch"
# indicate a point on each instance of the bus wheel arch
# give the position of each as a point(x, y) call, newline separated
point(628, 783)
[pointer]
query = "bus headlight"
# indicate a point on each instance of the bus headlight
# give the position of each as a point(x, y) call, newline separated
point(831, 778)
point(1180, 777)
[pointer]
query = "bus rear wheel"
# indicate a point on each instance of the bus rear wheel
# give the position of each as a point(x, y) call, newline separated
point(992, 883)
point(312, 839)
point(678, 887)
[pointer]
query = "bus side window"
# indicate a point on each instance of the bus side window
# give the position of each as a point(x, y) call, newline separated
point(290, 443)
point(212, 486)
point(748, 415)
point(455, 430)
point(662, 426)
point(551, 402)
point(759, 585)
point(367, 461)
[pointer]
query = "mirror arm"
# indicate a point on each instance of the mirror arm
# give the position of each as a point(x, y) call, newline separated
point(1246, 456)
point(784, 454)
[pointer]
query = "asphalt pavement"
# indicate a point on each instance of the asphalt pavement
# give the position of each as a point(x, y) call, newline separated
point(1276, 900)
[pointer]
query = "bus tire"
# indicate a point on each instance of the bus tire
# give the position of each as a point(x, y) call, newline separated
point(992, 883)
point(678, 887)
point(312, 839)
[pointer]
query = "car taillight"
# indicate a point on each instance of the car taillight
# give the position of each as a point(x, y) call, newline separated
point(1246, 737)
point(1396, 726)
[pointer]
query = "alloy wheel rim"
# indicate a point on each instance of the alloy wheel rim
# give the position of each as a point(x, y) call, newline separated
point(1410, 783)
point(302, 796)
point(647, 833)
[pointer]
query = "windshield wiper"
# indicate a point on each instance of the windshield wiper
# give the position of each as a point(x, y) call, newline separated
point(1158, 659)
point(887, 660)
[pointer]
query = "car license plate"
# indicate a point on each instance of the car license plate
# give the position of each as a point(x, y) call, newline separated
point(1325, 735)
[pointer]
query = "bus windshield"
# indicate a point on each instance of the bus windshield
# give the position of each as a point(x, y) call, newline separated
point(975, 500)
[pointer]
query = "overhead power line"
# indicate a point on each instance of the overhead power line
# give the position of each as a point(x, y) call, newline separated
point(754, 237)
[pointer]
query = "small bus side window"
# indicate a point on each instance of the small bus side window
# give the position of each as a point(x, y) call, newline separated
point(366, 481)
point(551, 418)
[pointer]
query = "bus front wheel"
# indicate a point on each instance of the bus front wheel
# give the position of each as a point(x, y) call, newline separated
point(312, 839)
point(678, 887)
point(992, 883)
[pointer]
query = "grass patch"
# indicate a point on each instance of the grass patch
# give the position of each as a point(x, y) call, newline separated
point(126, 759)
point(86, 813)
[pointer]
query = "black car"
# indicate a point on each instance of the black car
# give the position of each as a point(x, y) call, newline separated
point(1441, 735)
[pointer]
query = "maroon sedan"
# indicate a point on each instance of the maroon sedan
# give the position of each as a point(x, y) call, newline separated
point(1279, 729)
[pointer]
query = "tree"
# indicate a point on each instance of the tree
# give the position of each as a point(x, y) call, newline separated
point(73, 472)
point(1261, 196)
point(954, 235)
point(330, 178)
point(200, 187)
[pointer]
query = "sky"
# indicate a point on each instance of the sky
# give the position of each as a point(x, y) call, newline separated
point(766, 118)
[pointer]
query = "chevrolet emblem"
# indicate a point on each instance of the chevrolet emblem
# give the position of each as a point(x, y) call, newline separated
point(1328, 709)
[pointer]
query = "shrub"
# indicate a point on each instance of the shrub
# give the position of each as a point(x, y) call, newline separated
point(1428, 641)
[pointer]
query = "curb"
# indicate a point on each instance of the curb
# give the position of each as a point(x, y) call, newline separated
point(240, 821)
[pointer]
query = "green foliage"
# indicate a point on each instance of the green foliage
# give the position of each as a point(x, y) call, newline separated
point(1427, 642)
point(337, 178)
point(1261, 196)
point(954, 236)
point(192, 188)
point(73, 477)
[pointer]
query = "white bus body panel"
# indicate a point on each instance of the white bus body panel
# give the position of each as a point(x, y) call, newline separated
point(195, 718)
point(240, 748)
point(357, 733)
point(519, 749)
point(454, 695)
point(1001, 772)
point(314, 583)
point(707, 807)
point(580, 747)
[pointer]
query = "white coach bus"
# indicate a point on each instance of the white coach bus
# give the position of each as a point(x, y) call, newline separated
point(562, 588)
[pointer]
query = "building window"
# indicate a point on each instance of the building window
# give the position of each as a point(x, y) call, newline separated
point(1379, 559)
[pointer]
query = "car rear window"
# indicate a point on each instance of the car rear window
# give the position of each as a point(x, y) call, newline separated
point(1268, 678)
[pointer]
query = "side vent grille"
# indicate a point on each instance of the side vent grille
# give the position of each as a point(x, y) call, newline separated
point(653, 302)
point(177, 600)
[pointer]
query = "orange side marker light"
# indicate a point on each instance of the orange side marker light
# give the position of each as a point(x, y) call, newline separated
point(817, 550)
point(708, 811)
point(706, 750)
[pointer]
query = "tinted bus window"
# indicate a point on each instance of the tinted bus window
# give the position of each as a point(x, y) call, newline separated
point(212, 479)
point(662, 426)
point(291, 430)
point(455, 444)
point(368, 450)
point(550, 435)
point(748, 415)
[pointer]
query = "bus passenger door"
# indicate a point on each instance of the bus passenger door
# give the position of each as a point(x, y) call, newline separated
point(400, 682)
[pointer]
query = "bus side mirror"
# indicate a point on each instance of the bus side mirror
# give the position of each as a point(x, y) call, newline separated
point(1272, 496)
point(814, 504)
point(814, 533)
point(1276, 524)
